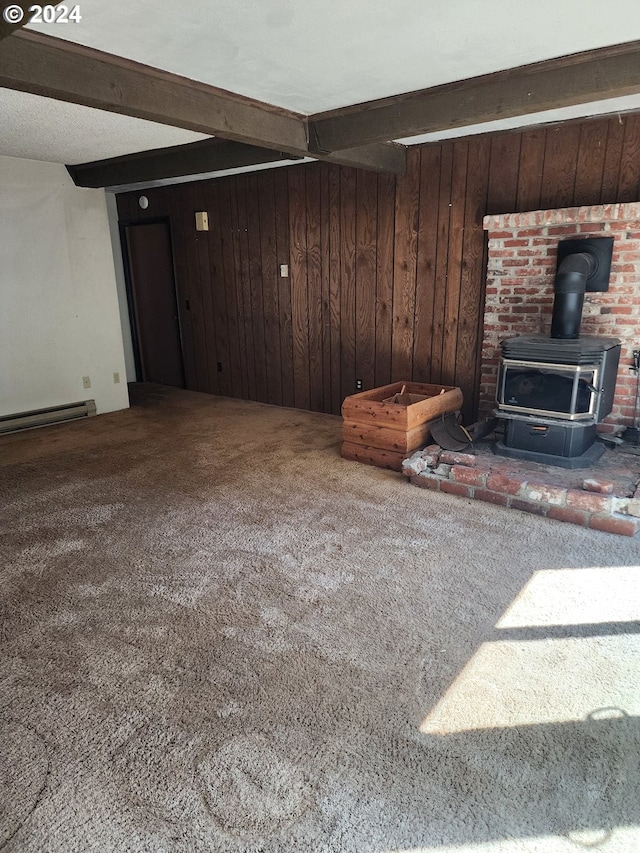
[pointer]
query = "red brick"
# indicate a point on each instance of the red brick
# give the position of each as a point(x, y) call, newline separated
point(573, 516)
point(490, 497)
point(591, 227)
point(611, 524)
point(528, 506)
point(542, 493)
point(455, 489)
point(449, 457)
point(426, 482)
point(621, 309)
point(604, 487)
point(587, 501)
point(470, 476)
point(432, 449)
point(615, 268)
point(507, 484)
point(560, 229)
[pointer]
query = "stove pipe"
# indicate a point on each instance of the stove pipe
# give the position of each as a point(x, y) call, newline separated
point(570, 286)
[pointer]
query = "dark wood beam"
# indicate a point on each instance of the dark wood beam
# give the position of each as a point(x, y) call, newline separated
point(608, 72)
point(47, 66)
point(208, 155)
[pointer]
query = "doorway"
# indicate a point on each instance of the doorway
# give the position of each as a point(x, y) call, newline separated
point(153, 303)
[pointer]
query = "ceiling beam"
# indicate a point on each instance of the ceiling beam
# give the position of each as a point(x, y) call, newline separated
point(594, 75)
point(47, 66)
point(208, 155)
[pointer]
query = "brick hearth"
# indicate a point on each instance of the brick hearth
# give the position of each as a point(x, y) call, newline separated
point(605, 497)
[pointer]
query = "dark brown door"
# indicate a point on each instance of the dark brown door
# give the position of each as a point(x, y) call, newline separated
point(154, 304)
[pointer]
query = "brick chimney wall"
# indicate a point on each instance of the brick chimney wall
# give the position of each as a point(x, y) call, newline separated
point(519, 294)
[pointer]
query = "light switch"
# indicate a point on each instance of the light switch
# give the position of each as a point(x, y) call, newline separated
point(202, 220)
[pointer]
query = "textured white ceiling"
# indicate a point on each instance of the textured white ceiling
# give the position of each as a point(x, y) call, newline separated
point(43, 129)
point(308, 56)
point(314, 55)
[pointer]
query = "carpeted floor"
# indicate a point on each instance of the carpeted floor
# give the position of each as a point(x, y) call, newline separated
point(220, 636)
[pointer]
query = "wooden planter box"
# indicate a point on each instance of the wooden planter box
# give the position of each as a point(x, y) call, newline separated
point(382, 426)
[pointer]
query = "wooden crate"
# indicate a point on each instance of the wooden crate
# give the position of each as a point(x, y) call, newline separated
point(383, 433)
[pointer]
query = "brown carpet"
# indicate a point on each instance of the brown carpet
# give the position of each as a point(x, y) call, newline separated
point(220, 636)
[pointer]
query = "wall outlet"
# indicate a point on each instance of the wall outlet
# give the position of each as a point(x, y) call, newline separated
point(358, 384)
point(86, 382)
point(284, 270)
point(116, 378)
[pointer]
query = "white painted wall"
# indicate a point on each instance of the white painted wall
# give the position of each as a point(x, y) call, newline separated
point(59, 318)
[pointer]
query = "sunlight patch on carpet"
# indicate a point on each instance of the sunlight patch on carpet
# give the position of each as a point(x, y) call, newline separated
point(577, 597)
point(541, 681)
point(622, 839)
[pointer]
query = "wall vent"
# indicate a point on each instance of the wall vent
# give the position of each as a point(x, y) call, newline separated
point(45, 417)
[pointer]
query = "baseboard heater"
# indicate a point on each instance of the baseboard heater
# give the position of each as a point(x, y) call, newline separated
point(46, 417)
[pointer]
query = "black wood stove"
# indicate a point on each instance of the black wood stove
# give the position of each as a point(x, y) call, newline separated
point(552, 391)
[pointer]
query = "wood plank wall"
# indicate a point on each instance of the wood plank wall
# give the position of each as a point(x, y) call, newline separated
point(386, 275)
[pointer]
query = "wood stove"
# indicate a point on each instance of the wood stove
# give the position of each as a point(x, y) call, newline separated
point(552, 391)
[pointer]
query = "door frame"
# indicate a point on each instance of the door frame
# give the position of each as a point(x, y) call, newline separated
point(123, 224)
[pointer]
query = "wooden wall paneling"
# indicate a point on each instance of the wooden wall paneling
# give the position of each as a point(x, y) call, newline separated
point(231, 285)
point(629, 179)
point(559, 174)
point(256, 286)
point(239, 286)
point(270, 279)
point(454, 265)
point(472, 277)
point(325, 250)
point(347, 281)
point(592, 147)
point(386, 275)
point(503, 172)
point(213, 295)
point(405, 267)
point(531, 164)
point(281, 200)
point(299, 297)
point(314, 286)
point(246, 319)
point(442, 260)
point(426, 261)
point(180, 264)
point(612, 160)
point(335, 243)
point(385, 228)
point(366, 239)
point(195, 271)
